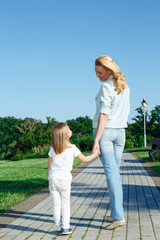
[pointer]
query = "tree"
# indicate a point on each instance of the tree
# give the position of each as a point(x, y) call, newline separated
point(27, 126)
point(82, 134)
point(136, 129)
point(8, 133)
point(155, 115)
point(155, 122)
point(19, 136)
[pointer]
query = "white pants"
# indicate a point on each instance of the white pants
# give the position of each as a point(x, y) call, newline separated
point(60, 190)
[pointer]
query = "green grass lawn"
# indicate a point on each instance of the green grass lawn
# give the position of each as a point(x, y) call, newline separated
point(143, 154)
point(21, 179)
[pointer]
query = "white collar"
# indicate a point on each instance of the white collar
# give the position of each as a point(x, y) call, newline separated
point(109, 80)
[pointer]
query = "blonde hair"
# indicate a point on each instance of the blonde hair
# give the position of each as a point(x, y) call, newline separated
point(60, 138)
point(119, 78)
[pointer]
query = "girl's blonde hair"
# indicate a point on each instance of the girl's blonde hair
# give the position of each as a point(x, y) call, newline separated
point(108, 63)
point(60, 137)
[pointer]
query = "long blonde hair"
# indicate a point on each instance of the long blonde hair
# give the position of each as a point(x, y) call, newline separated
point(60, 138)
point(108, 63)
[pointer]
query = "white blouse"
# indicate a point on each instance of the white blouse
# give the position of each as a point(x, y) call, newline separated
point(61, 165)
point(115, 105)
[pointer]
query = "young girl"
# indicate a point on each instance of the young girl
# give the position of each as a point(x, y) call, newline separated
point(61, 156)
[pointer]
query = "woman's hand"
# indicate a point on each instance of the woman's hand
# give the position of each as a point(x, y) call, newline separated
point(96, 152)
point(96, 146)
point(100, 128)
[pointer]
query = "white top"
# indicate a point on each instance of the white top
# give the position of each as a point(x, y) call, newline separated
point(62, 164)
point(115, 105)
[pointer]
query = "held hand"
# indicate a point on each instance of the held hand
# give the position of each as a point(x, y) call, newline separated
point(96, 152)
point(96, 146)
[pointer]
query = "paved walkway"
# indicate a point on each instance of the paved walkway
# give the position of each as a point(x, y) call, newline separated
point(90, 205)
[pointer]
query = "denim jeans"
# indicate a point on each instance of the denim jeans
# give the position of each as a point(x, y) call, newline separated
point(60, 190)
point(111, 146)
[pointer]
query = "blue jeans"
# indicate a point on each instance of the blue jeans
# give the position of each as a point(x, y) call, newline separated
point(111, 146)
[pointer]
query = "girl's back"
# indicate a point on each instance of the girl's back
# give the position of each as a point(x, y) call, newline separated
point(62, 163)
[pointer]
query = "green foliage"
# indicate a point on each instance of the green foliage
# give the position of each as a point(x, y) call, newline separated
point(140, 141)
point(8, 132)
point(81, 133)
point(27, 141)
point(81, 125)
point(19, 138)
point(86, 143)
point(26, 135)
point(152, 126)
point(155, 115)
point(128, 144)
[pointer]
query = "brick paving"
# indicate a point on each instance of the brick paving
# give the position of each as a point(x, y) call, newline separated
point(90, 205)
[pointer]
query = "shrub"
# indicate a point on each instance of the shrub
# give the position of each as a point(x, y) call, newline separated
point(86, 143)
point(127, 144)
point(40, 152)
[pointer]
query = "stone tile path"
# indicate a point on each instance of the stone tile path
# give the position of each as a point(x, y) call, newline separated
point(90, 205)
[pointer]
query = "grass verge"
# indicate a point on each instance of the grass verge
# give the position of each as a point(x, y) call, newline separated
point(143, 154)
point(21, 179)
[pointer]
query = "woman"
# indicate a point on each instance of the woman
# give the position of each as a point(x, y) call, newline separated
point(109, 123)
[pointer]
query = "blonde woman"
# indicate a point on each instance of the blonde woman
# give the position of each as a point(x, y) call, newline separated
point(61, 156)
point(109, 123)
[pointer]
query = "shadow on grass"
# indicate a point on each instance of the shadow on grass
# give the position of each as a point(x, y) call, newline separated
point(10, 191)
point(138, 150)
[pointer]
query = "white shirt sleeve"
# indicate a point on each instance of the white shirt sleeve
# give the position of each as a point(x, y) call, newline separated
point(76, 151)
point(105, 100)
point(50, 152)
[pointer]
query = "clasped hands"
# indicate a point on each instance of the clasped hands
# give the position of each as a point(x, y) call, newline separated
point(96, 147)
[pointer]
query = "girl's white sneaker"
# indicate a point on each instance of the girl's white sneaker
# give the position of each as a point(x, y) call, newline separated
point(66, 231)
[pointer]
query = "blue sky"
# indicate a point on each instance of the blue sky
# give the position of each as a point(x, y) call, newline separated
point(48, 49)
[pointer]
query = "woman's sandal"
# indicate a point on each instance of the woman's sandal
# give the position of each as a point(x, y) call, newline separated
point(115, 224)
point(109, 219)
